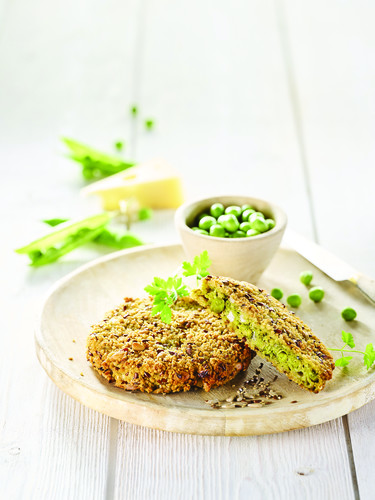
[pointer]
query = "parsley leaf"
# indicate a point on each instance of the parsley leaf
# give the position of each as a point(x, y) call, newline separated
point(165, 293)
point(344, 361)
point(369, 357)
point(348, 339)
point(368, 354)
point(200, 266)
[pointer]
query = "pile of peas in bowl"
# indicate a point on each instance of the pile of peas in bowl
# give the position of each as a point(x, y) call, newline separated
point(232, 221)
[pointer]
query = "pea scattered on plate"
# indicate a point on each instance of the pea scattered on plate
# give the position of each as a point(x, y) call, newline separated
point(306, 277)
point(316, 294)
point(232, 221)
point(348, 314)
point(277, 293)
point(294, 300)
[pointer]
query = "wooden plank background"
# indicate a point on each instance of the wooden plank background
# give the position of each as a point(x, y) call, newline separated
point(271, 98)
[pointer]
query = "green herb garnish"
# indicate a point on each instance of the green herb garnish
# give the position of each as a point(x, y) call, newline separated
point(95, 165)
point(368, 353)
point(117, 240)
point(166, 292)
point(200, 266)
point(134, 110)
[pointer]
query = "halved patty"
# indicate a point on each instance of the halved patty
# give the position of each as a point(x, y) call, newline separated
point(138, 351)
point(270, 329)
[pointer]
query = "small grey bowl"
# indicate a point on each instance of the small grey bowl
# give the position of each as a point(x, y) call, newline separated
point(243, 259)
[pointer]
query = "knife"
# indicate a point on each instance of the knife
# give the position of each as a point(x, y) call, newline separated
point(331, 265)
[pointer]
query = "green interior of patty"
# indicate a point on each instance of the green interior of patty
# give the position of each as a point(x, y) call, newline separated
point(265, 343)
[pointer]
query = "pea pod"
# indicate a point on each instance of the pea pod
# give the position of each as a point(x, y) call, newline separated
point(95, 165)
point(51, 247)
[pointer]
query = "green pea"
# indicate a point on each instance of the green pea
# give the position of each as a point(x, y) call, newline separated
point(294, 300)
point(216, 210)
point(229, 222)
point(206, 222)
point(271, 223)
point(259, 224)
point(217, 230)
point(255, 215)
point(201, 231)
point(252, 232)
point(200, 216)
point(246, 206)
point(316, 294)
point(246, 214)
point(277, 293)
point(306, 277)
point(348, 314)
point(234, 210)
point(245, 226)
point(238, 234)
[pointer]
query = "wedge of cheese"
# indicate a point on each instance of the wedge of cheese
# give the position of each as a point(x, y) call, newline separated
point(154, 184)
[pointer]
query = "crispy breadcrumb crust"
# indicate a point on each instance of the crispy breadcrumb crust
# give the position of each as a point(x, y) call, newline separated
point(137, 351)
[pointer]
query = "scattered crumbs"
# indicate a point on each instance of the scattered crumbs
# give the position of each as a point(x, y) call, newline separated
point(82, 374)
point(294, 401)
point(70, 359)
point(305, 471)
point(254, 392)
point(74, 340)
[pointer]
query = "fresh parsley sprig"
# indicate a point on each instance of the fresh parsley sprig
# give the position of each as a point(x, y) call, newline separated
point(166, 292)
point(368, 353)
point(199, 267)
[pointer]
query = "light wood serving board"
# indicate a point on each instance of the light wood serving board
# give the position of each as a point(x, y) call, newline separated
point(82, 298)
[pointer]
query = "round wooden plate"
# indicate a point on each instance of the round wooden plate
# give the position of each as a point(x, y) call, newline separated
point(83, 297)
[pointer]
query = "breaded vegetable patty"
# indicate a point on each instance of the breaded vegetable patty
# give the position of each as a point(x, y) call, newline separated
point(270, 329)
point(137, 351)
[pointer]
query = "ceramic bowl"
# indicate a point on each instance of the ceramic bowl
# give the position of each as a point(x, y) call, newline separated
point(239, 258)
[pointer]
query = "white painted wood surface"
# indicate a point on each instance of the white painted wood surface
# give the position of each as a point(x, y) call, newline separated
point(270, 98)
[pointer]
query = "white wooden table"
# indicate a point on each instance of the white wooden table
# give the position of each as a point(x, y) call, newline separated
point(270, 98)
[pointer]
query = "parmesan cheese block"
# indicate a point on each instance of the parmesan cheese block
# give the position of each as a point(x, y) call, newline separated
point(154, 184)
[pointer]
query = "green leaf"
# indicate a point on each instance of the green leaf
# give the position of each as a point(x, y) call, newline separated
point(117, 240)
point(348, 339)
point(344, 361)
point(166, 314)
point(151, 289)
point(200, 266)
point(165, 293)
point(369, 357)
point(54, 222)
point(157, 308)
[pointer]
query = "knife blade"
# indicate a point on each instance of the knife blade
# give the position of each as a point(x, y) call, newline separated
point(330, 264)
